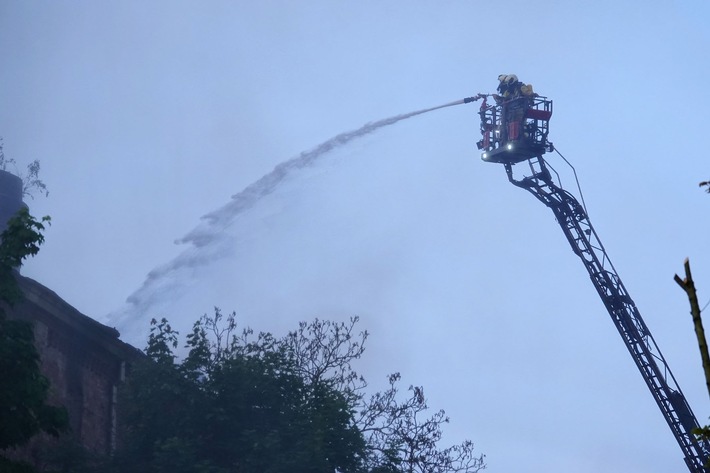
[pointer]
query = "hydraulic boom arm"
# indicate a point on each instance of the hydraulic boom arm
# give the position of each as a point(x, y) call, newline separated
point(576, 226)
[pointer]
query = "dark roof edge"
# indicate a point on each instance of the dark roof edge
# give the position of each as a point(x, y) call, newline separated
point(50, 301)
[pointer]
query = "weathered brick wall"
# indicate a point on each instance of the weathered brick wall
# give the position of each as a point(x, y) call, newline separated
point(82, 376)
point(83, 359)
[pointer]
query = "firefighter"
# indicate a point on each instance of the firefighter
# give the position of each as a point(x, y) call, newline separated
point(515, 104)
point(509, 87)
point(514, 87)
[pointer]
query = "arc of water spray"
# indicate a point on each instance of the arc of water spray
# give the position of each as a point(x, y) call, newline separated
point(222, 217)
point(158, 281)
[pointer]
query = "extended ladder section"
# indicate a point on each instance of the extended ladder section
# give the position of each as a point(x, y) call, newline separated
point(585, 243)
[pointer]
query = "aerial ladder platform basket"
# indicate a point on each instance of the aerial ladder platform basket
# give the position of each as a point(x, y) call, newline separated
point(515, 130)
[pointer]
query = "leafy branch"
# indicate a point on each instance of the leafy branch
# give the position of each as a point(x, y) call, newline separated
point(30, 179)
point(400, 437)
point(21, 239)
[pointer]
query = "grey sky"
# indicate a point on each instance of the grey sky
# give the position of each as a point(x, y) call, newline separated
point(148, 115)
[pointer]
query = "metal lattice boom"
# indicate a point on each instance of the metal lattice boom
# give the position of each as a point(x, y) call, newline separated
point(638, 339)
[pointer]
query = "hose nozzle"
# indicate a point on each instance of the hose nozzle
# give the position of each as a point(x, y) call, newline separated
point(474, 98)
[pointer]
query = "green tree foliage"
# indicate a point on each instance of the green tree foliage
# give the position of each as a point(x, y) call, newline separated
point(21, 239)
point(235, 403)
point(23, 392)
point(246, 402)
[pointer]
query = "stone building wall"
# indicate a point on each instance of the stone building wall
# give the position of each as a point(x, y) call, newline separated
point(84, 360)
